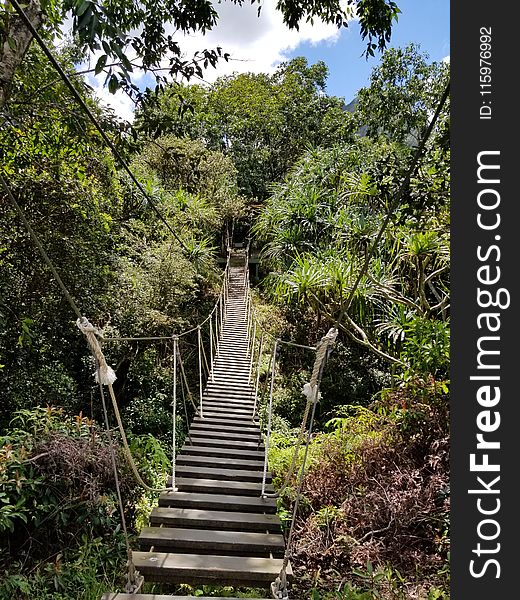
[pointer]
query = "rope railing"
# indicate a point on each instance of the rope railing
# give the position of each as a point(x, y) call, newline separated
point(310, 390)
point(106, 376)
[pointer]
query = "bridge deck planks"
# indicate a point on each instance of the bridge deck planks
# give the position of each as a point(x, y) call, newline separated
point(216, 529)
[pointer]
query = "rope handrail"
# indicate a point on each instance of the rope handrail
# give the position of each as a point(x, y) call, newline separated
point(178, 335)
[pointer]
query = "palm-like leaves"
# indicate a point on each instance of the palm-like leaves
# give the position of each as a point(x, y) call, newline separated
point(319, 227)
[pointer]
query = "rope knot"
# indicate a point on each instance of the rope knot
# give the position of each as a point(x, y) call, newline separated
point(279, 587)
point(104, 374)
point(322, 350)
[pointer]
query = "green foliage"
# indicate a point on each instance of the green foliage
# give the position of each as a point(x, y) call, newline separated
point(320, 223)
point(58, 508)
point(374, 465)
point(128, 35)
point(206, 179)
point(427, 346)
point(403, 94)
point(262, 123)
point(85, 572)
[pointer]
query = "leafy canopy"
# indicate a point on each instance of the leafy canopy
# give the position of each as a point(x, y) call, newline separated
point(127, 35)
point(262, 122)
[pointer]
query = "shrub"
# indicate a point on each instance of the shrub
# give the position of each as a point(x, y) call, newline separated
point(58, 508)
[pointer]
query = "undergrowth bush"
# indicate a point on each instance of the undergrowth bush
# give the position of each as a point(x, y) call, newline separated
point(59, 519)
point(373, 519)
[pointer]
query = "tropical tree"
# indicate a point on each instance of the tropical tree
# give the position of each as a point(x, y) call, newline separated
point(402, 96)
point(262, 122)
point(317, 229)
point(117, 259)
point(127, 35)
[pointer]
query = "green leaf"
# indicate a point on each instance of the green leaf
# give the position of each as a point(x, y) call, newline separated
point(100, 65)
point(83, 7)
point(113, 84)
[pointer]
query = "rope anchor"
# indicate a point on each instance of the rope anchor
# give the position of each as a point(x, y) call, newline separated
point(279, 587)
point(104, 373)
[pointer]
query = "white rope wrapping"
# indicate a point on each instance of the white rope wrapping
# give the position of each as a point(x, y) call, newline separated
point(104, 373)
point(311, 391)
point(310, 388)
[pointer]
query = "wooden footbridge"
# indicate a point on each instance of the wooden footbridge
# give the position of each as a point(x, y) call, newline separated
point(216, 528)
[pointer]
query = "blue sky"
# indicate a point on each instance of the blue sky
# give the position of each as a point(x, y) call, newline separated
point(426, 22)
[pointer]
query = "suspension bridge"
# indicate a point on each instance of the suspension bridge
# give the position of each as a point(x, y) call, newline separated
point(216, 522)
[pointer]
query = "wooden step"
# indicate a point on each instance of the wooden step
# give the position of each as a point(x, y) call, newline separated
point(218, 473)
point(230, 415)
point(196, 450)
point(232, 372)
point(225, 502)
point(219, 420)
point(195, 569)
point(228, 357)
point(123, 596)
point(231, 375)
point(215, 407)
point(230, 390)
point(234, 353)
point(214, 519)
point(228, 428)
point(221, 486)
point(212, 406)
point(222, 403)
point(230, 380)
point(220, 463)
point(178, 539)
point(228, 444)
point(233, 402)
point(224, 435)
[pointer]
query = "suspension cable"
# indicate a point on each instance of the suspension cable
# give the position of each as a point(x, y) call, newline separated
point(93, 119)
point(134, 580)
point(174, 411)
point(201, 391)
point(269, 415)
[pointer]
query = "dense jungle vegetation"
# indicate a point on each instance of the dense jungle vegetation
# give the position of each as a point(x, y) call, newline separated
point(273, 158)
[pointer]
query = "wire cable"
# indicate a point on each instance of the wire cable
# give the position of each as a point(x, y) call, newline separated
point(45, 49)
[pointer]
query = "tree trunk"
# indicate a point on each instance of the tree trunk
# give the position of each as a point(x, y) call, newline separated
point(14, 41)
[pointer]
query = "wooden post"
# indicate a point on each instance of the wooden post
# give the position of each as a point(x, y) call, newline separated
point(199, 337)
point(174, 410)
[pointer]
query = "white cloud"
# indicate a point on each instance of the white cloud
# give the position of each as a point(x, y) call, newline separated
point(119, 102)
point(446, 59)
point(255, 44)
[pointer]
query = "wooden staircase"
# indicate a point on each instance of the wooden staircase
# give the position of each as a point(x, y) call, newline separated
point(216, 529)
